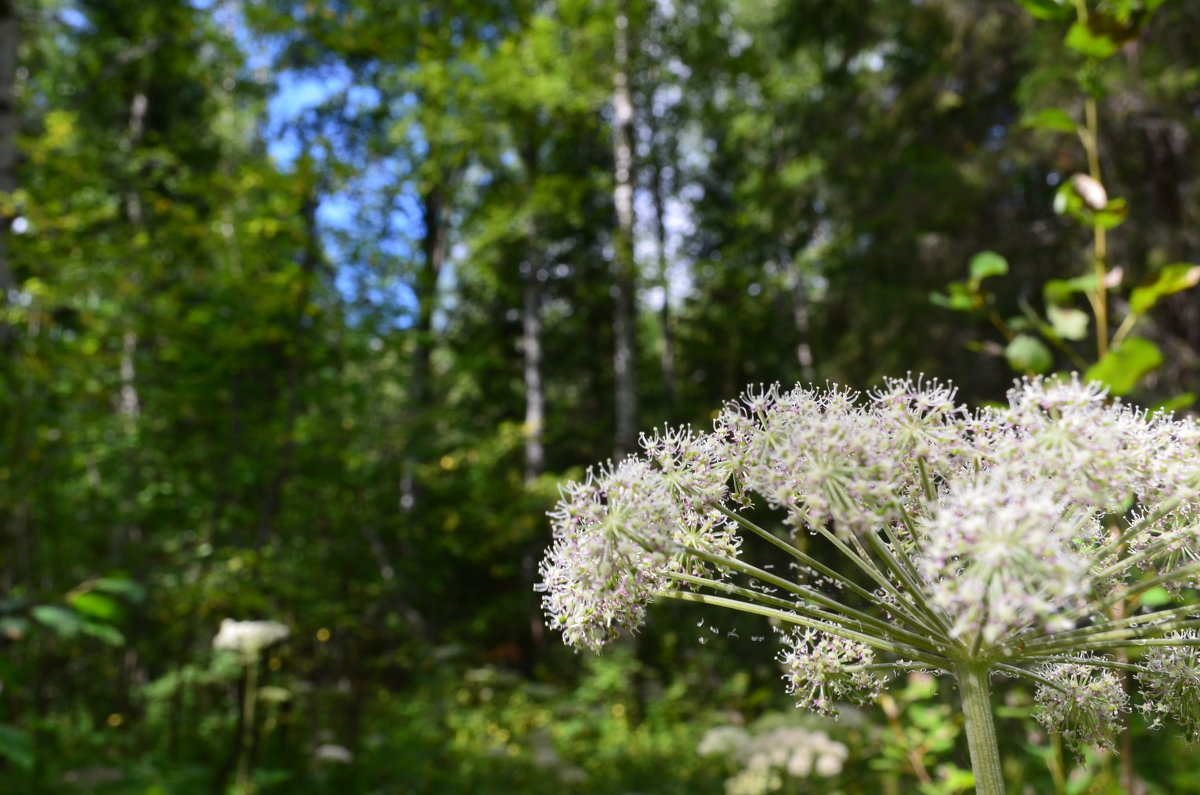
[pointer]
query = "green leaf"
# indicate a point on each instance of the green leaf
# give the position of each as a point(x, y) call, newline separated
point(1123, 366)
point(104, 632)
point(1177, 403)
point(1050, 119)
point(985, 264)
point(1028, 354)
point(1084, 40)
point(66, 623)
point(1155, 597)
point(121, 586)
point(1068, 323)
point(1168, 280)
point(958, 296)
point(97, 605)
point(1060, 291)
point(1068, 202)
point(16, 746)
point(1049, 10)
point(1113, 214)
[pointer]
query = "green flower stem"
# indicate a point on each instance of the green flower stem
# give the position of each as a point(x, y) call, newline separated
point(243, 783)
point(1176, 575)
point(927, 484)
point(1111, 640)
point(918, 591)
point(1165, 507)
point(800, 556)
point(1084, 634)
point(818, 598)
point(1024, 673)
point(894, 667)
point(821, 568)
point(1140, 642)
point(1128, 562)
point(728, 587)
point(901, 604)
point(903, 570)
point(839, 630)
point(981, 728)
point(1095, 661)
point(864, 621)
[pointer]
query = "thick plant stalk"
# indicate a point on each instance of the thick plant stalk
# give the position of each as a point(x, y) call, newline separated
point(244, 783)
point(981, 729)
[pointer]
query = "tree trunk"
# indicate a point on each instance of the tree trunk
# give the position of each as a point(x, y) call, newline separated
point(8, 147)
point(624, 265)
point(531, 346)
point(433, 249)
point(658, 190)
point(532, 280)
point(800, 318)
point(310, 260)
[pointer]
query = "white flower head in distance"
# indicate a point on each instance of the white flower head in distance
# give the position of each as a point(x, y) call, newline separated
point(249, 638)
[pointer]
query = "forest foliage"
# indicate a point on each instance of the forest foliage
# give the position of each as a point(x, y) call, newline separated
point(306, 308)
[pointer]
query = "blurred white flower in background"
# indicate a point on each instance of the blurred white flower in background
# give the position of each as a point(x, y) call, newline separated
point(329, 752)
point(249, 638)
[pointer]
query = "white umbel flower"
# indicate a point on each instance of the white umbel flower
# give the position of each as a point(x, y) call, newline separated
point(249, 638)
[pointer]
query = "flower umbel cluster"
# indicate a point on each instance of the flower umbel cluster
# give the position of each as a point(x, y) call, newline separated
point(249, 638)
point(769, 756)
point(1014, 540)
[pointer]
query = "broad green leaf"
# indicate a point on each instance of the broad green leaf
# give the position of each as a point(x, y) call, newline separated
point(955, 779)
point(958, 296)
point(1113, 214)
point(1168, 280)
point(1155, 597)
point(1052, 119)
point(104, 632)
point(1123, 366)
point(985, 264)
point(16, 746)
point(1061, 291)
point(1028, 354)
point(1068, 323)
point(120, 586)
point(1049, 10)
point(97, 605)
point(1067, 201)
point(1082, 39)
point(1177, 403)
point(66, 623)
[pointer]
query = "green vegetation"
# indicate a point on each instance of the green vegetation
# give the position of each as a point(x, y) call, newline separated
point(306, 308)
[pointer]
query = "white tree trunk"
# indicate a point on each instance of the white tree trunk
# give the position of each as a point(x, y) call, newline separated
point(624, 265)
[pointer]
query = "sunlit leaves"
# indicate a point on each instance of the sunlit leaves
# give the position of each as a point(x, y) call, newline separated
point(1087, 40)
point(1051, 120)
point(1166, 281)
point(1047, 9)
point(1068, 322)
point(1125, 365)
point(1060, 291)
point(1028, 354)
point(16, 746)
point(985, 264)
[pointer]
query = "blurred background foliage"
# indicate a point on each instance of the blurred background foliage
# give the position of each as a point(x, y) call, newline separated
point(305, 308)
